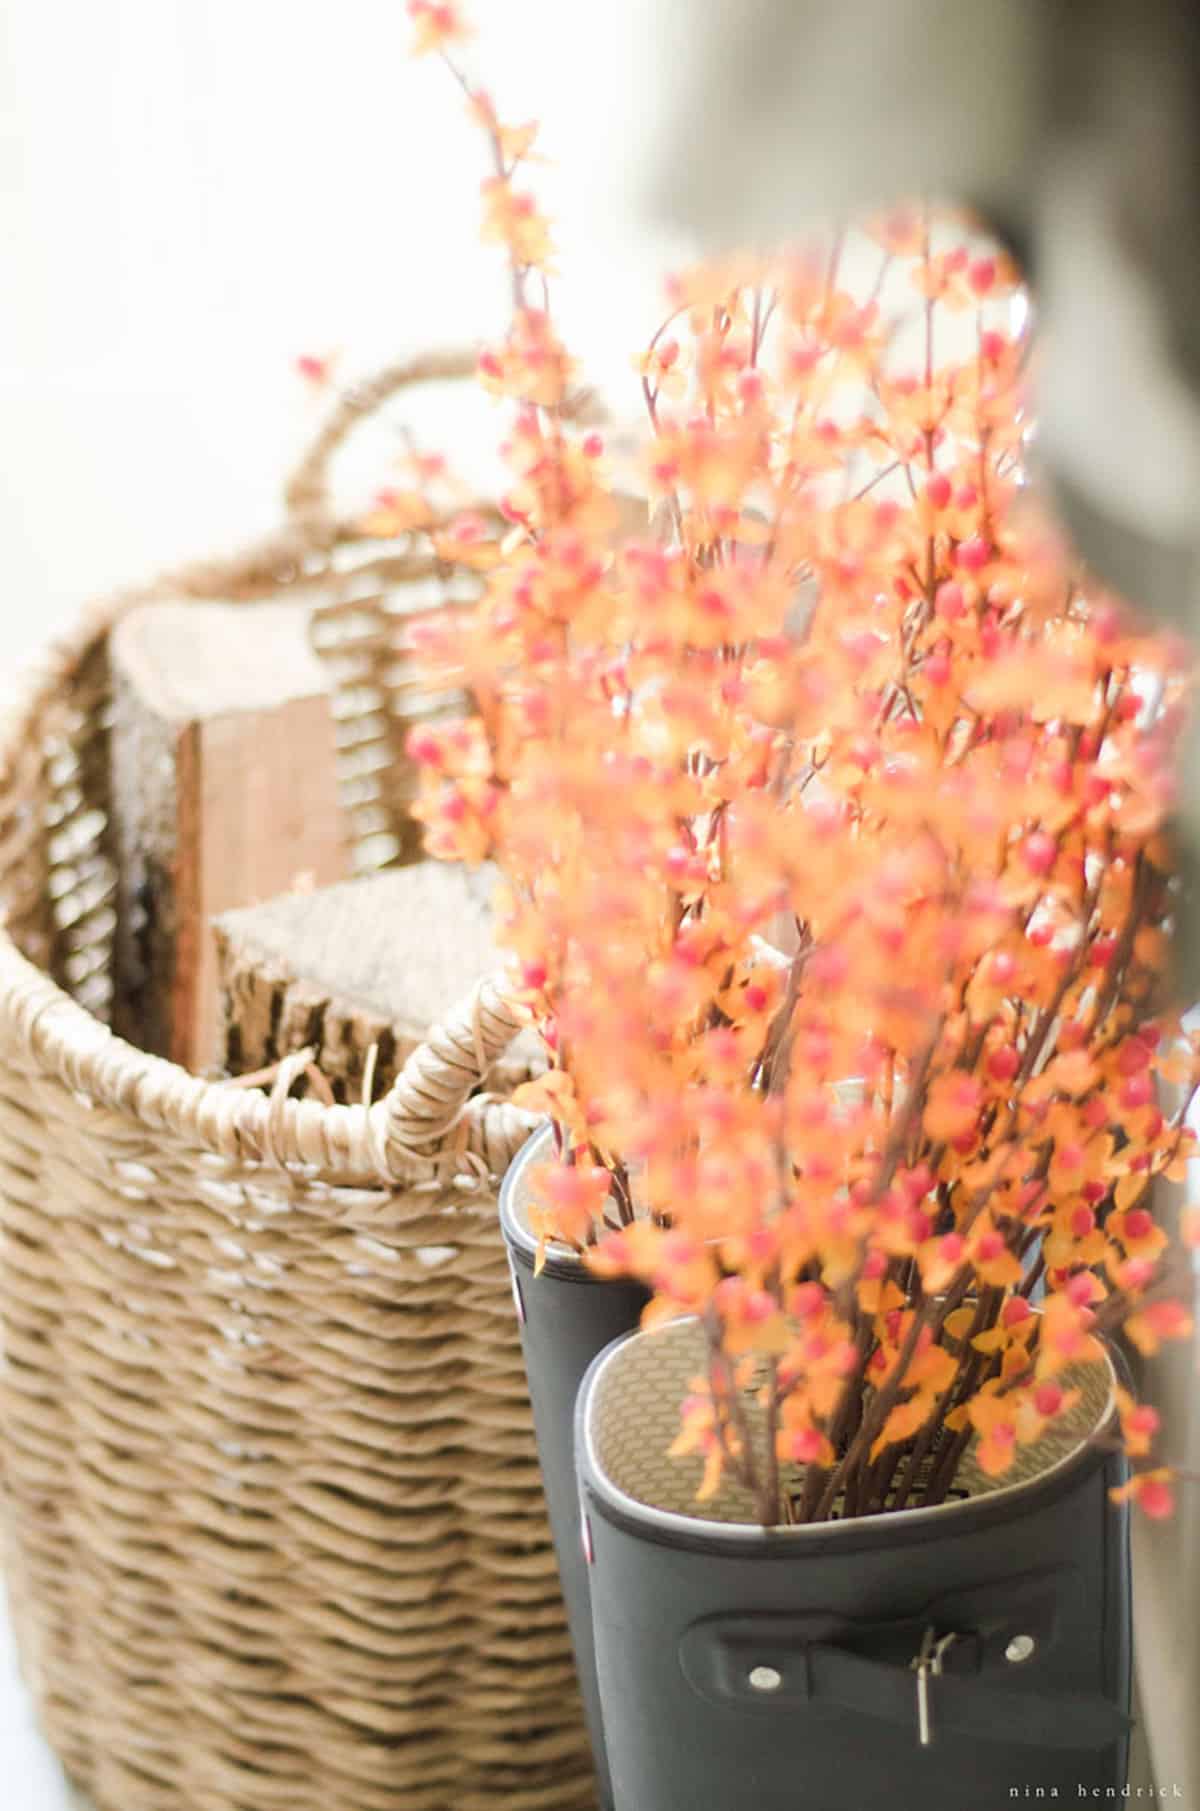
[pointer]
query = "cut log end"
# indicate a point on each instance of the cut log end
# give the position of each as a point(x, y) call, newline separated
point(344, 970)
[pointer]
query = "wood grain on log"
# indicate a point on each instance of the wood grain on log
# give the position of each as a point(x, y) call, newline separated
point(373, 962)
point(224, 792)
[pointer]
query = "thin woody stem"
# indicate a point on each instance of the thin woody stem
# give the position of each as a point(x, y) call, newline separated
point(769, 1511)
point(729, 1397)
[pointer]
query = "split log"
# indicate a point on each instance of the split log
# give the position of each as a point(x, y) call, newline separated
point(370, 964)
point(223, 792)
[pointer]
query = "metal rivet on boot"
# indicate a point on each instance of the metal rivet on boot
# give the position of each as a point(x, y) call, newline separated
point(1020, 1647)
point(765, 1679)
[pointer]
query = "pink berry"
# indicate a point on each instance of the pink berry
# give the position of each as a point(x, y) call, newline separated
point(1039, 852)
point(807, 1300)
point(805, 1445)
point(424, 748)
point(758, 1307)
point(938, 490)
point(1156, 1499)
point(949, 601)
point(1002, 969)
point(982, 275)
point(1048, 1398)
point(1138, 1091)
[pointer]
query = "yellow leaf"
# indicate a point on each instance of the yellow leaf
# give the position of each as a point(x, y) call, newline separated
point(994, 1456)
point(553, 1092)
point(959, 1321)
point(1177, 1065)
point(902, 1423)
point(1000, 1273)
point(1073, 1073)
point(710, 1483)
point(516, 142)
point(660, 1308)
point(689, 1438)
point(1130, 1189)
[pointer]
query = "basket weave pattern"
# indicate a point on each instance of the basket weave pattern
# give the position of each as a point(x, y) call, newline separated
point(375, 599)
point(273, 1519)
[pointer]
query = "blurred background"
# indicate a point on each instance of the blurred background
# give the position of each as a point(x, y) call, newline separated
point(193, 195)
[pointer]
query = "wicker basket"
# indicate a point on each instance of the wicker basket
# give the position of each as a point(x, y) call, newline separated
point(274, 1529)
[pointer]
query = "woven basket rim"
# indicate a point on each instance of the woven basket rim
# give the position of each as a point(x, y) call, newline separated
point(424, 1131)
point(226, 1315)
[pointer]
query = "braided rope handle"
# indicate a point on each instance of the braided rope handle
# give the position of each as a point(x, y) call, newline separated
point(431, 1125)
point(428, 1122)
point(431, 1115)
point(307, 494)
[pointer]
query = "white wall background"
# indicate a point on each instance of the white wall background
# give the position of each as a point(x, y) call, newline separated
point(192, 192)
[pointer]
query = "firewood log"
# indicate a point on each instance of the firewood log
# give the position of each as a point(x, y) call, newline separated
point(344, 970)
point(223, 792)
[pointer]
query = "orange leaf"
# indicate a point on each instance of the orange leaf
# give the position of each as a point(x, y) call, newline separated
point(903, 1423)
point(1130, 1189)
point(710, 1482)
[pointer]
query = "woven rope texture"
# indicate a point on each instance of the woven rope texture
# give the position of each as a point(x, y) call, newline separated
point(273, 1520)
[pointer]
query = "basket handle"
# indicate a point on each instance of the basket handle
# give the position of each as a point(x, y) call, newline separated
point(429, 1122)
point(307, 495)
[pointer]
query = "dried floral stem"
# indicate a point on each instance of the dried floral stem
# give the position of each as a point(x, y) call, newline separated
point(852, 679)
